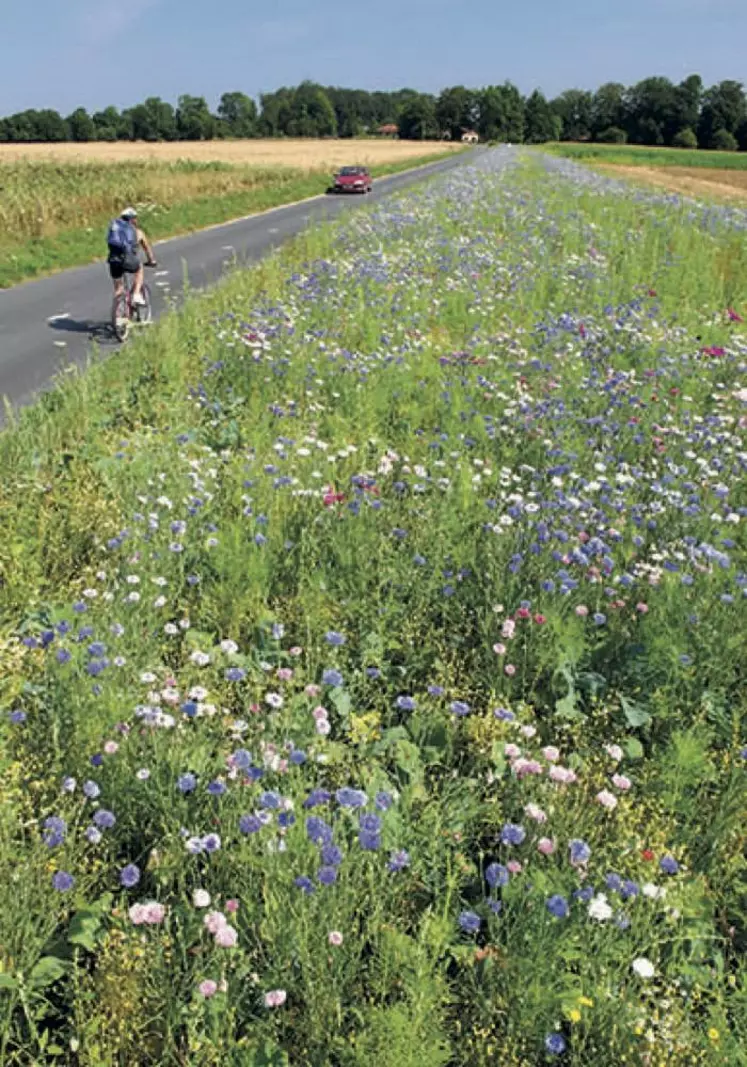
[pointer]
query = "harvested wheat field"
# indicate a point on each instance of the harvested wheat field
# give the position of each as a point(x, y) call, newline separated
point(692, 181)
point(305, 154)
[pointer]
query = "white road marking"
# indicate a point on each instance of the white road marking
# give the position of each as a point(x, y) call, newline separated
point(60, 344)
point(161, 273)
point(227, 248)
point(56, 318)
point(274, 229)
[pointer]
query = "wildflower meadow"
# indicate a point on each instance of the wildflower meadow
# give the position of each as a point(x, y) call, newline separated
point(373, 636)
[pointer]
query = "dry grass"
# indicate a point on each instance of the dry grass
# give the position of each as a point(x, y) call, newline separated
point(692, 181)
point(306, 155)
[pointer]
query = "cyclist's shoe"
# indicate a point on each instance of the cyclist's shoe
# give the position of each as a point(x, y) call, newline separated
point(139, 300)
point(151, 263)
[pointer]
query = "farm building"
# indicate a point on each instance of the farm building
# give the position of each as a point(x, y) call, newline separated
point(470, 137)
point(389, 130)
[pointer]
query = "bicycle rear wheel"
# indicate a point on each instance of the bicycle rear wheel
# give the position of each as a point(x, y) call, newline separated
point(120, 317)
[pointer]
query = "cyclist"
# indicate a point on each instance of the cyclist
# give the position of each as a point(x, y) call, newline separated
point(124, 238)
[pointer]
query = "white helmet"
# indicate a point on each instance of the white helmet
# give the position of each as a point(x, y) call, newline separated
point(129, 213)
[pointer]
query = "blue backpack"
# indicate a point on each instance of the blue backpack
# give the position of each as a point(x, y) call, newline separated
point(121, 236)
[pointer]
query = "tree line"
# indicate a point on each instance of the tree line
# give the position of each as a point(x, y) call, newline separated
point(655, 111)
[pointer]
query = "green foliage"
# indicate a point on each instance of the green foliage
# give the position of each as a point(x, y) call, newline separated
point(685, 138)
point(723, 141)
point(613, 135)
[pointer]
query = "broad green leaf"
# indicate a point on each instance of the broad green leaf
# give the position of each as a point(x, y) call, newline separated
point(634, 713)
point(47, 971)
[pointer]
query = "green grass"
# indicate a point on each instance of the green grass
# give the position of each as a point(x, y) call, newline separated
point(55, 216)
point(399, 429)
point(632, 156)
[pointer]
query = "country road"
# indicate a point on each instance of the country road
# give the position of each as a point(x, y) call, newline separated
point(48, 324)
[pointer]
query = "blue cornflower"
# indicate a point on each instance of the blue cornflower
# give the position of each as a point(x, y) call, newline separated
point(558, 906)
point(270, 800)
point(91, 790)
point(584, 895)
point(504, 715)
point(398, 860)
point(332, 637)
point(332, 677)
point(370, 823)
point(331, 855)
point(17, 717)
point(351, 798)
point(217, 789)
point(104, 819)
point(369, 841)
point(93, 835)
point(496, 906)
point(555, 1044)
point(278, 630)
point(317, 797)
point(669, 865)
point(496, 875)
point(250, 824)
point(304, 883)
point(629, 889)
point(297, 757)
point(211, 843)
point(614, 883)
point(97, 760)
point(286, 819)
point(235, 674)
point(373, 672)
point(62, 881)
point(241, 759)
point(54, 831)
point(318, 831)
point(327, 875)
point(405, 703)
point(97, 650)
point(63, 656)
point(580, 851)
point(186, 783)
point(129, 876)
point(436, 690)
point(512, 834)
point(599, 618)
point(459, 707)
point(383, 801)
point(470, 922)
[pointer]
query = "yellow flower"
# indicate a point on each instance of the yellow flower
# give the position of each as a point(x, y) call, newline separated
point(714, 1034)
point(586, 1002)
point(574, 1015)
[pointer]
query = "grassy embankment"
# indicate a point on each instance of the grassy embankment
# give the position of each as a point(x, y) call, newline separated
point(445, 504)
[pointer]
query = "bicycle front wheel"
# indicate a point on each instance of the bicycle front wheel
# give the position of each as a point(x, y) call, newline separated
point(144, 312)
point(120, 317)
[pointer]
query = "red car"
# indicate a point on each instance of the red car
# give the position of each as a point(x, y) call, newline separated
point(352, 180)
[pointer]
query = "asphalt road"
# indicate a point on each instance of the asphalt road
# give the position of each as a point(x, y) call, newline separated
point(49, 324)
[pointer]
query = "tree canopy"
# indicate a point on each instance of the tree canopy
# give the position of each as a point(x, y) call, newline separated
point(654, 111)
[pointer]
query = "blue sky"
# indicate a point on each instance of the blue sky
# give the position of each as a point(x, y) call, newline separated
point(67, 53)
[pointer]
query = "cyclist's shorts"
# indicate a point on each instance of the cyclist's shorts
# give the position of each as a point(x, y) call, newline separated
point(121, 265)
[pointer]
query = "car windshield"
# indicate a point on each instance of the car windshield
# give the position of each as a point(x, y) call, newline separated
point(350, 171)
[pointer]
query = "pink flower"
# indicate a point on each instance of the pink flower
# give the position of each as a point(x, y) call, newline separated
point(532, 811)
point(583, 537)
point(514, 867)
point(111, 747)
point(614, 752)
point(540, 620)
point(320, 713)
point(621, 782)
point(335, 938)
point(512, 751)
point(275, 998)
point(551, 754)
point(312, 690)
point(215, 921)
point(295, 651)
point(564, 775)
point(523, 613)
point(546, 846)
point(208, 988)
point(607, 800)
point(528, 731)
point(150, 913)
point(508, 630)
point(227, 937)
point(733, 316)
point(582, 611)
point(642, 608)
point(232, 906)
point(499, 649)
point(285, 674)
point(510, 670)
point(522, 767)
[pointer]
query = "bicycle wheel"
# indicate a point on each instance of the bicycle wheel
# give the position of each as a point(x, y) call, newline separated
point(143, 312)
point(120, 317)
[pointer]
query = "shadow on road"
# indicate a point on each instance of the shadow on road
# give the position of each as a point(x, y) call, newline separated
point(97, 331)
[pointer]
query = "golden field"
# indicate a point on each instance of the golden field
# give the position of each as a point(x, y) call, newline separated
point(690, 181)
point(299, 154)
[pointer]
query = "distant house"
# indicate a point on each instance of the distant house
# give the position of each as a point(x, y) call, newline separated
point(389, 130)
point(470, 137)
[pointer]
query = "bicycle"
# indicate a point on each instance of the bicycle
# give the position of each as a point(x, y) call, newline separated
point(125, 313)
